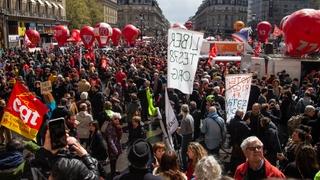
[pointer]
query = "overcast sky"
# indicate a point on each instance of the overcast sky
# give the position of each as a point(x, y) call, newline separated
point(179, 10)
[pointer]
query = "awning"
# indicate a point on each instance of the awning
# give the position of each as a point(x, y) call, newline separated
point(60, 6)
point(54, 5)
point(40, 2)
point(48, 4)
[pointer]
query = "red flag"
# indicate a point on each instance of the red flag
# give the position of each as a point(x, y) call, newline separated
point(27, 41)
point(213, 53)
point(24, 112)
point(277, 31)
point(257, 49)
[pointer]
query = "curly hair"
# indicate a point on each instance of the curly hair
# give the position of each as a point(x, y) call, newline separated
point(208, 168)
point(198, 151)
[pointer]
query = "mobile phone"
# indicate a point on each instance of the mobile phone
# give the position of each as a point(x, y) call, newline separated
point(57, 133)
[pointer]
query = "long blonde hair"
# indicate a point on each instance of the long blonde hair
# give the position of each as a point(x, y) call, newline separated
point(198, 151)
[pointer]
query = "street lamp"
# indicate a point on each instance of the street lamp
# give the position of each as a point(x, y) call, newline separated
point(141, 19)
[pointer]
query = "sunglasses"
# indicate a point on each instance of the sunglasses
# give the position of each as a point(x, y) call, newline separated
point(254, 148)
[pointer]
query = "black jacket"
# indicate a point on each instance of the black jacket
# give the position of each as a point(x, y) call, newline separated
point(64, 165)
point(137, 174)
point(97, 146)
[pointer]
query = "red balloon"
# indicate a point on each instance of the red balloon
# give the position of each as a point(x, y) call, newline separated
point(75, 35)
point(178, 25)
point(188, 25)
point(87, 36)
point(264, 29)
point(301, 32)
point(102, 32)
point(283, 21)
point(61, 34)
point(34, 37)
point(116, 34)
point(130, 33)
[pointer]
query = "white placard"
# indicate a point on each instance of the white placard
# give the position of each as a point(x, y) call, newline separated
point(183, 54)
point(237, 93)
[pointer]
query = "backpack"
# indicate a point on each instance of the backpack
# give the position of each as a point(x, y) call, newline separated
point(293, 123)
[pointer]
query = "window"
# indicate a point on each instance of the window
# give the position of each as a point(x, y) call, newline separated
point(19, 5)
point(38, 9)
point(30, 7)
point(8, 5)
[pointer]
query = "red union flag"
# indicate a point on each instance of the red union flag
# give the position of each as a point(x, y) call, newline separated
point(24, 112)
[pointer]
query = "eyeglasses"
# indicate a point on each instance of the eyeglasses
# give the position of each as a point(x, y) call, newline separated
point(254, 148)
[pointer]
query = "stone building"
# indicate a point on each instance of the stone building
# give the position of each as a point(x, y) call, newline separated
point(110, 12)
point(145, 15)
point(216, 17)
point(18, 15)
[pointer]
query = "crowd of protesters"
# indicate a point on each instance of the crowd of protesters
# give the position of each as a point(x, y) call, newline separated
point(277, 137)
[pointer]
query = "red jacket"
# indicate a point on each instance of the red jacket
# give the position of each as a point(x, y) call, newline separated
point(271, 171)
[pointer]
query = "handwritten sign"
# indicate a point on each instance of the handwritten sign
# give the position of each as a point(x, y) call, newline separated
point(45, 87)
point(183, 54)
point(237, 93)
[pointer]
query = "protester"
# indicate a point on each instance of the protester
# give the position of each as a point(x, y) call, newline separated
point(169, 167)
point(214, 130)
point(256, 166)
point(195, 152)
point(138, 155)
point(186, 130)
point(208, 168)
point(113, 137)
point(84, 119)
point(158, 151)
point(137, 131)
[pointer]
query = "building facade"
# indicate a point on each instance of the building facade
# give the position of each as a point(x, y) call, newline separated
point(17, 16)
point(145, 15)
point(274, 10)
point(110, 12)
point(216, 17)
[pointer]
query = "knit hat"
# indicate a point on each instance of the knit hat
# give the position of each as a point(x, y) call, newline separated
point(140, 153)
point(84, 95)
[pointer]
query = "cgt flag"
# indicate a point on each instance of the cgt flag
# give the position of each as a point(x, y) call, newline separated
point(24, 112)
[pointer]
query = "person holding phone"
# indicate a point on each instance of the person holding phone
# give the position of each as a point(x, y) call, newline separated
point(65, 156)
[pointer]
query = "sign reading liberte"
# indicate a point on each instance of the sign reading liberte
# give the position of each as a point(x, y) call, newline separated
point(237, 93)
point(183, 54)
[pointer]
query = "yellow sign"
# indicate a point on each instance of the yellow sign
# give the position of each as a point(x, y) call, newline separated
point(21, 28)
point(17, 125)
point(45, 87)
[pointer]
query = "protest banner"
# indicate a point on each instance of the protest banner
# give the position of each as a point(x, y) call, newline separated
point(24, 112)
point(172, 122)
point(45, 87)
point(183, 54)
point(237, 93)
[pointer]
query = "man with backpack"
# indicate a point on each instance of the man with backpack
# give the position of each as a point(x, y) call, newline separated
point(214, 130)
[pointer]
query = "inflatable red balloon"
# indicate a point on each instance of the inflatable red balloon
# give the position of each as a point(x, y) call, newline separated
point(188, 25)
point(75, 35)
point(61, 34)
point(301, 32)
point(116, 34)
point(178, 25)
point(130, 33)
point(87, 36)
point(102, 32)
point(34, 37)
point(264, 29)
point(283, 21)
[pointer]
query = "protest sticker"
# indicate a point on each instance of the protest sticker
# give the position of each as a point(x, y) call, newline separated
point(45, 87)
point(237, 93)
point(24, 112)
point(183, 54)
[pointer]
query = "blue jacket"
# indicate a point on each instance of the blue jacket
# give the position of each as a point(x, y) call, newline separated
point(212, 130)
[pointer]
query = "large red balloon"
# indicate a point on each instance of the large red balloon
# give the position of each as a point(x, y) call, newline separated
point(178, 25)
point(188, 25)
point(87, 36)
point(33, 36)
point(301, 32)
point(102, 32)
point(130, 33)
point(75, 35)
point(264, 29)
point(116, 34)
point(283, 21)
point(61, 34)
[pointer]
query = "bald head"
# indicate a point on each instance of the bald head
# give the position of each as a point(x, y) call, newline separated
point(212, 109)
